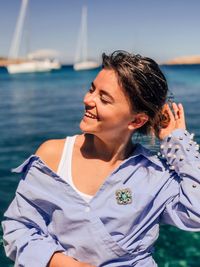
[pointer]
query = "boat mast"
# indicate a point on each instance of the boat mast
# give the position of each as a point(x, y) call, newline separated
point(84, 30)
point(81, 50)
point(15, 45)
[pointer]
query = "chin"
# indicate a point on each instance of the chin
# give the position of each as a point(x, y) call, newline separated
point(88, 130)
point(85, 128)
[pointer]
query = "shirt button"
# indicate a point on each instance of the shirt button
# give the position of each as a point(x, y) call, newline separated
point(87, 209)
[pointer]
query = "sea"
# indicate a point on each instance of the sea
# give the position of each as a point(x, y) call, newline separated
point(41, 106)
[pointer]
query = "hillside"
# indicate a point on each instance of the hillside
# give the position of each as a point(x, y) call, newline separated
point(185, 60)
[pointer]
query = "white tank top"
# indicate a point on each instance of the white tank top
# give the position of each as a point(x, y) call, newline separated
point(64, 168)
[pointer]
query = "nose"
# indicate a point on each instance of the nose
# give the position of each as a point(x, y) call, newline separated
point(89, 99)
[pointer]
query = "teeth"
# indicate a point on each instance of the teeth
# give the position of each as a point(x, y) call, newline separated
point(87, 114)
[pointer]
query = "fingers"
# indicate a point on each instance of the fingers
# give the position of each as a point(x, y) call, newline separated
point(181, 111)
point(179, 116)
point(176, 119)
point(176, 111)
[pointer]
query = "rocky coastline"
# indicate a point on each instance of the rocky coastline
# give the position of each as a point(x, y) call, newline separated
point(184, 60)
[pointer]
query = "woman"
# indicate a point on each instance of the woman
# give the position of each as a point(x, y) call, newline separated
point(96, 199)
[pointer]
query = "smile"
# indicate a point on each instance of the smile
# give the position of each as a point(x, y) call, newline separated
point(90, 115)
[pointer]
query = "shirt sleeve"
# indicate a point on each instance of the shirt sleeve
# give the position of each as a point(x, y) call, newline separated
point(26, 238)
point(182, 156)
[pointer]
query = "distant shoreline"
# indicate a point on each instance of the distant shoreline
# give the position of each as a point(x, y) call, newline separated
point(185, 60)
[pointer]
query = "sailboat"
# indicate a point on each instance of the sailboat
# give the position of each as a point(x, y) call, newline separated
point(81, 57)
point(26, 65)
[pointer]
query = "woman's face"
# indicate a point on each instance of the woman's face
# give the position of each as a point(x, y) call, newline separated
point(107, 110)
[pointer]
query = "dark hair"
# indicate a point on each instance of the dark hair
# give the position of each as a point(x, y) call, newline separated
point(143, 83)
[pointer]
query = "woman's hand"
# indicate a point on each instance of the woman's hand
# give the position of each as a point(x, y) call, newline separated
point(176, 120)
point(85, 265)
point(60, 260)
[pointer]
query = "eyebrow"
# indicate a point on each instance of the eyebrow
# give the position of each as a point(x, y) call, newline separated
point(103, 92)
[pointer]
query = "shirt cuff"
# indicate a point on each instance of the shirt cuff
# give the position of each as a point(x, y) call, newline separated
point(179, 149)
point(38, 252)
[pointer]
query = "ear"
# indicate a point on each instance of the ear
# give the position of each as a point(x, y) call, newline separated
point(138, 121)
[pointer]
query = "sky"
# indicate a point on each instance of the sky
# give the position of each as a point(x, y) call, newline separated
point(156, 28)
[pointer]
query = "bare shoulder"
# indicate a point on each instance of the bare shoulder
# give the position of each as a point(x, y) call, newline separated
point(50, 152)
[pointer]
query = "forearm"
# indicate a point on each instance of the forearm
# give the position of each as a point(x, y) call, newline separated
point(183, 158)
point(60, 260)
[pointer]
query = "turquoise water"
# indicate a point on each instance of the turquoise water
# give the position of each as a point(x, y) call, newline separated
point(37, 107)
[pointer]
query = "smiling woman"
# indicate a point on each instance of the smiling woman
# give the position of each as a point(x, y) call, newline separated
point(97, 199)
point(105, 103)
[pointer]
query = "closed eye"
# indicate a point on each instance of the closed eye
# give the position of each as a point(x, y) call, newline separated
point(104, 99)
point(104, 96)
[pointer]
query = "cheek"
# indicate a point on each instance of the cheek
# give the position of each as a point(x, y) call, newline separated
point(105, 112)
point(119, 117)
point(113, 114)
point(123, 112)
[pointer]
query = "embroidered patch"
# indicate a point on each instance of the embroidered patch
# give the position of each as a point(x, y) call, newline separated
point(123, 196)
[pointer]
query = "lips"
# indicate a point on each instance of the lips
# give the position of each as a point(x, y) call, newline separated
point(90, 115)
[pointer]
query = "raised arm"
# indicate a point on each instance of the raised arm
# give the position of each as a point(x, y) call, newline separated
point(182, 156)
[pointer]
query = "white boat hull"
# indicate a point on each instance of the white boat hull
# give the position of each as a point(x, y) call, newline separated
point(33, 66)
point(86, 65)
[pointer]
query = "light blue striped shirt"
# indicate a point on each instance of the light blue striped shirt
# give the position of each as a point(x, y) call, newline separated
point(48, 215)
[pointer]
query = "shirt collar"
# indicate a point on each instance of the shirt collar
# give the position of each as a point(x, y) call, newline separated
point(140, 150)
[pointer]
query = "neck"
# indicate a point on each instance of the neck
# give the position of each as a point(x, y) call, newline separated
point(107, 150)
